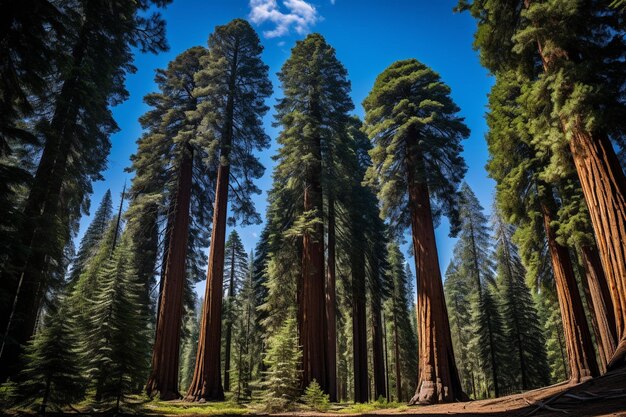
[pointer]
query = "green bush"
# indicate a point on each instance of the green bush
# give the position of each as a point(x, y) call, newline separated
point(315, 398)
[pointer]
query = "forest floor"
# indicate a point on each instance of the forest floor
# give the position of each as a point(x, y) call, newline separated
point(600, 397)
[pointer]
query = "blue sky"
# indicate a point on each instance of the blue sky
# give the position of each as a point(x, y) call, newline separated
point(368, 36)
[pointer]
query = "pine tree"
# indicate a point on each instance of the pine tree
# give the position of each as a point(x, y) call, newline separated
point(412, 122)
point(93, 235)
point(283, 360)
point(232, 87)
point(475, 261)
point(236, 272)
point(76, 130)
point(189, 345)
point(53, 373)
point(116, 346)
point(528, 360)
point(572, 52)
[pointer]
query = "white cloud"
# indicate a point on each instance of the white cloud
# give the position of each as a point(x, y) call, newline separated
point(299, 14)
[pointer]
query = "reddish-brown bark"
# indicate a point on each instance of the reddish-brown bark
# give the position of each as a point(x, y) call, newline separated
point(580, 352)
point(313, 291)
point(359, 325)
point(438, 379)
point(601, 304)
point(165, 354)
point(331, 304)
point(378, 355)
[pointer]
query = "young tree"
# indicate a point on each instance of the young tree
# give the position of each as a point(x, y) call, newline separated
point(475, 261)
point(91, 238)
point(573, 52)
point(53, 374)
point(283, 359)
point(174, 152)
point(236, 267)
point(76, 128)
point(116, 347)
point(528, 357)
point(232, 86)
point(313, 115)
point(416, 132)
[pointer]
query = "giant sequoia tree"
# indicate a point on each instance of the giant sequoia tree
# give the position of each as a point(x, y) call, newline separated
point(416, 132)
point(573, 51)
point(76, 129)
point(171, 175)
point(232, 88)
point(313, 115)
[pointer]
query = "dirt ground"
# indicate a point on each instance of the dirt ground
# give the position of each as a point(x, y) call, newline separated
point(604, 396)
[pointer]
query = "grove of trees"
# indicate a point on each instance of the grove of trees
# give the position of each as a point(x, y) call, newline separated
point(327, 304)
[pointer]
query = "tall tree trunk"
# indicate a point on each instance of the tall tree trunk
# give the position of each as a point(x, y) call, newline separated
point(206, 383)
point(580, 350)
point(438, 379)
point(601, 303)
point(396, 354)
point(26, 282)
point(331, 303)
point(165, 354)
point(604, 188)
point(378, 359)
point(229, 324)
point(359, 324)
point(313, 280)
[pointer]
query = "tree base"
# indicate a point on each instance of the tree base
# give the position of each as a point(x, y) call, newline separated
point(619, 357)
point(435, 393)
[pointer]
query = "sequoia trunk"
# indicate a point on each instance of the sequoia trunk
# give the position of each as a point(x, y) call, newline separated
point(580, 352)
point(165, 354)
point(378, 355)
point(331, 321)
point(438, 379)
point(601, 302)
point(359, 325)
point(313, 291)
point(604, 188)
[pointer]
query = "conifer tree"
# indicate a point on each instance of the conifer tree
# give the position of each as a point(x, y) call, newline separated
point(416, 132)
point(313, 115)
point(236, 272)
point(475, 261)
point(170, 167)
point(232, 87)
point(521, 321)
point(53, 374)
point(572, 52)
point(283, 360)
point(189, 345)
point(93, 235)
point(76, 130)
point(116, 347)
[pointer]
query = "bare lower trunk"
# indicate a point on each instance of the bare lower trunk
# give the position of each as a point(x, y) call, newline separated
point(359, 326)
point(580, 352)
point(604, 188)
point(380, 389)
point(331, 321)
point(165, 354)
point(206, 383)
point(601, 303)
point(438, 379)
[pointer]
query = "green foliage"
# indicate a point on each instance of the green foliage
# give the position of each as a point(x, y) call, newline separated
point(283, 360)
point(116, 348)
point(315, 398)
point(53, 375)
point(409, 112)
point(189, 345)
